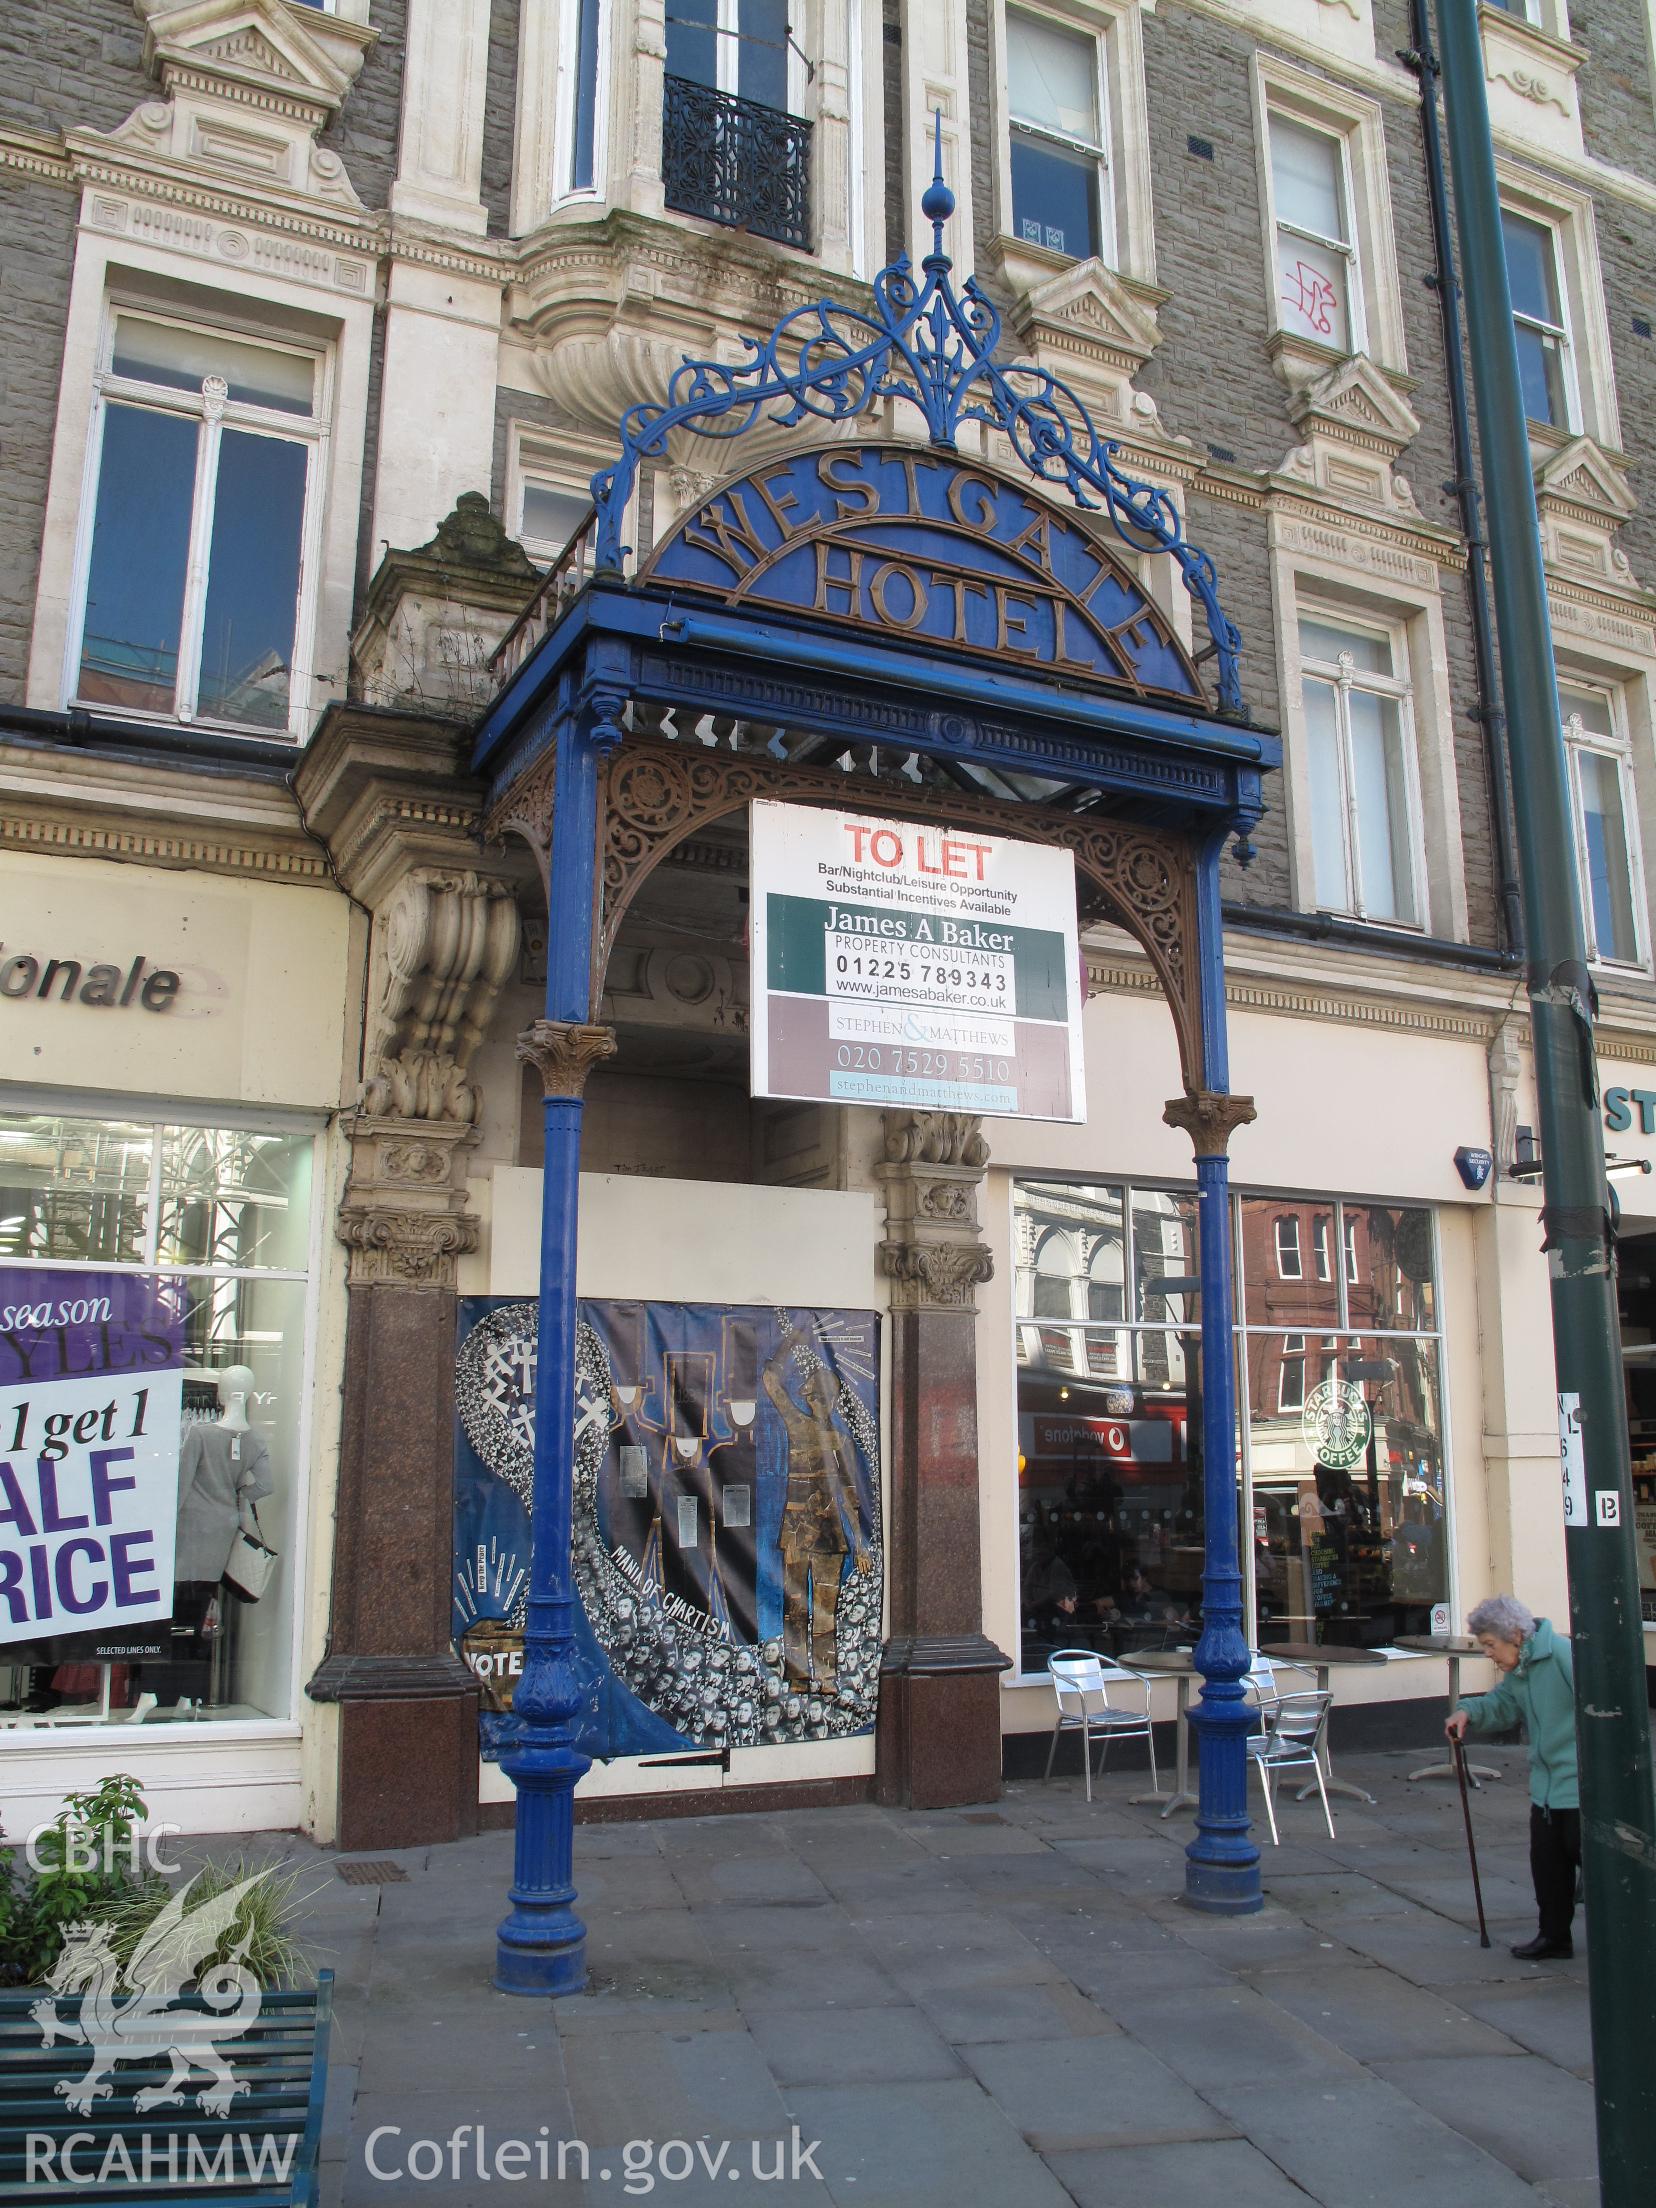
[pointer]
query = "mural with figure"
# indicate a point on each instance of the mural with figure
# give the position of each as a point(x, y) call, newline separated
point(726, 1532)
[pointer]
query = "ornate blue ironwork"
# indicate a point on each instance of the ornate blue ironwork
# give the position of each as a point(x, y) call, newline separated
point(934, 347)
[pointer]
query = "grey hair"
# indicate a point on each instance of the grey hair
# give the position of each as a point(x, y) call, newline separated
point(1504, 1616)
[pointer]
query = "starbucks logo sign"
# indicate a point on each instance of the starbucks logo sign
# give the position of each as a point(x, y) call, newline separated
point(1336, 1424)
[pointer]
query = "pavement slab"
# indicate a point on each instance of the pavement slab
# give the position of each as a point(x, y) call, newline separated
point(1363, 2144)
point(1010, 2006)
point(1535, 2118)
point(921, 2146)
point(1378, 2018)
point(1069, 2094)
point(1230, 2034)
point(1196, 2173)
point(815, 2046)
point(1547, 2019)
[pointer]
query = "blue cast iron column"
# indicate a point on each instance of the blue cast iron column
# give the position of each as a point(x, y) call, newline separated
point(1222, 1862)
point(541, 1944)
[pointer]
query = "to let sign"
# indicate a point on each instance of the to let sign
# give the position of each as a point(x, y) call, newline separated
point(921, 966)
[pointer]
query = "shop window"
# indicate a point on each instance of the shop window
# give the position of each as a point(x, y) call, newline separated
point(196, 549)
point(1110, 1478)
point(1540, 319)
point(1316, 258)
point(1359, 735)
point(1606, 830)
point(1342, 1441)
point(1340, 1433)
point(1055, 110)
point(221, 1219)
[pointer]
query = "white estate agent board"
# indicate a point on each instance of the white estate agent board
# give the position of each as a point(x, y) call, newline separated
point(931, 967)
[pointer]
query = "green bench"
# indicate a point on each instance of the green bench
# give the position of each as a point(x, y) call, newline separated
point(263, 2150)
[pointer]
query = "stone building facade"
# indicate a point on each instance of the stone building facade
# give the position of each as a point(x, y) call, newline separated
point(319, 319)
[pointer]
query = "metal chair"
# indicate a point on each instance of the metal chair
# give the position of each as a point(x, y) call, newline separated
point(1084, 1682)
point(1293, 1738)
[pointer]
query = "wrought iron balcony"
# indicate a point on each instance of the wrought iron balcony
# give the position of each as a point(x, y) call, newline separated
point(736, 162)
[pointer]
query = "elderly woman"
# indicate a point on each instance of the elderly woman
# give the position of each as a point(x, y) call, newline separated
point(1538, 1685)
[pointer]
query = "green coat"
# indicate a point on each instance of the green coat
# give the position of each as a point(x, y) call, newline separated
point(1541, 1692)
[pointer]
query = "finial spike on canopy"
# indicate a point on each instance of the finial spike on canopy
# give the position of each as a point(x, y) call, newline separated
point(939, 202)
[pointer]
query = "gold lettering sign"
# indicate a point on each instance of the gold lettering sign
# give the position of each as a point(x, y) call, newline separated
point(923, 550)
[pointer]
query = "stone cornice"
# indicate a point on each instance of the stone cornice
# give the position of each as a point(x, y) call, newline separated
point(88, 805)
point(387, 789)
point(35, 154)
point(1298, 981)
point(1294, 501)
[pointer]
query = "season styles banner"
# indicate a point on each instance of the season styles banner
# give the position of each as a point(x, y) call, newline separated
point(726, 1520)
point(930, 967)
point(91, 1391)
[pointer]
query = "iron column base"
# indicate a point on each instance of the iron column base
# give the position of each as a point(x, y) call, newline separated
point(1222, 1862)
point(541, 1945)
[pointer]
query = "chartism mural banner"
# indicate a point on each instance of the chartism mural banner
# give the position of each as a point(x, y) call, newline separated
point(726, 1534)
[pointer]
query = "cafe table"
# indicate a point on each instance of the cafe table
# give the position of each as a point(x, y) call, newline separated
point(1179, 1664)
point(1322, 1658)
point(1454, 1646)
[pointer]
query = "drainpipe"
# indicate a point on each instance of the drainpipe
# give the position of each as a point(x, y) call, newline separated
point(1488, 712)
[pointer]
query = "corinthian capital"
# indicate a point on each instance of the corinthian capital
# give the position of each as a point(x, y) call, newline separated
point(1209, 1118)
point(564, 1052)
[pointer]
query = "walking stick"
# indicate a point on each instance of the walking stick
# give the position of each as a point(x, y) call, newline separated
point(1471, 1846)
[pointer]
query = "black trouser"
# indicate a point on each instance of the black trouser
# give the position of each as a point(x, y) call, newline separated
point(1555, 1857)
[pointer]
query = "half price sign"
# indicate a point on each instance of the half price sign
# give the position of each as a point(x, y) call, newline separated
point(91, 1396)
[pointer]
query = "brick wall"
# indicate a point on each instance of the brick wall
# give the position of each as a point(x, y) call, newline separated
point(364, 134)
point(891, 32)
point(73, 67)
point(500, 115)
point(37, 224)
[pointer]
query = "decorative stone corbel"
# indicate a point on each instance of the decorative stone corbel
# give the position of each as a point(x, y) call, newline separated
point(932, 1171)
point(443, 949)
point(403, 1216)
point(1506, 1067)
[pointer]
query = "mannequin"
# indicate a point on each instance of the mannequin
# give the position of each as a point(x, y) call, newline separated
point(223, 1472)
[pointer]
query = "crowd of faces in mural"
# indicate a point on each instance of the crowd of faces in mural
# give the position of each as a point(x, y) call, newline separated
point(1340, 1466)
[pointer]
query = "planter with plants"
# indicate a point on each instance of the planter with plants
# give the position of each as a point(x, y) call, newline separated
point(153, 2030)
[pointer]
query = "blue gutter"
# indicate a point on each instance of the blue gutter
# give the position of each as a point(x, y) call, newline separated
point(663, 621)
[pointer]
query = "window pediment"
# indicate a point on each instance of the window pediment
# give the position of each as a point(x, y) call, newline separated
point(1356, 405)
point(1353, 423)
point(1582, 498)
point(254, 49)
point(246, 87)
